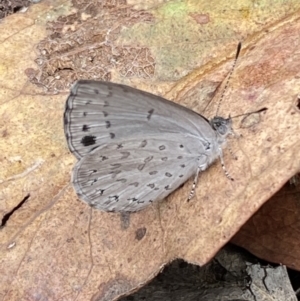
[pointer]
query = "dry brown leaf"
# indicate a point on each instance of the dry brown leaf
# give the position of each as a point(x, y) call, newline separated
point(54, 246)
point(273, 232)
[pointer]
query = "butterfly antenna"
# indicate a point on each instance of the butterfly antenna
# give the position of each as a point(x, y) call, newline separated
point(229, 76)
point(247, 114)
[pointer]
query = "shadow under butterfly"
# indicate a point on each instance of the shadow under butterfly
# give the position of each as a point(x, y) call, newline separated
point(133, 147)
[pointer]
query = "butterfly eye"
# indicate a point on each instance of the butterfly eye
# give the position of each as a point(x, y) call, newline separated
point(221, 128)
point(221, 125)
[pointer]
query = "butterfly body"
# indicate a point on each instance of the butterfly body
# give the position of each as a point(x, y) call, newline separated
point(133, 147)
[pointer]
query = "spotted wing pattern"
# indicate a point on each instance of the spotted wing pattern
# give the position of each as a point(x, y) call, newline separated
point(129, 175)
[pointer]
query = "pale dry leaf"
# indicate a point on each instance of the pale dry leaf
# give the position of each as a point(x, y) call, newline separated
point(56, 247)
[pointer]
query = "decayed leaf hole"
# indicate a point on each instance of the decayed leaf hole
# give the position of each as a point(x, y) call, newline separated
point(6, 216)
point(298, 102)
point(81, 46)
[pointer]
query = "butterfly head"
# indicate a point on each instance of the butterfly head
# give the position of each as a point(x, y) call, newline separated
point(221, 125)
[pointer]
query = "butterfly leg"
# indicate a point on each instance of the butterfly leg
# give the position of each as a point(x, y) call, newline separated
point(231, 153)
point(224, 168)
point(194, 185)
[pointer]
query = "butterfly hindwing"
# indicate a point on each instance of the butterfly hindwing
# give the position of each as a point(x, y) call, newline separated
point(129, 175)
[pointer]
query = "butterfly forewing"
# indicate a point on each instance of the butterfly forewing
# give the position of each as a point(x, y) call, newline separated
point(98, 113)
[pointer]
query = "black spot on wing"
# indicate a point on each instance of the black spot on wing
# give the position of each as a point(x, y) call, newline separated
point(141, 166)
point(114, 198)
point(107, 124)
point(143, 143)
point(65, 118)
point(93, 148)
point(115, 165)
point(100, 191)
point(112, 135)
point(114, 173)
point(85, 128)
point(94, 181)
point(72, 93)
point(162, 147)
point(150, 112)
point(96, 91)
point(122, 180)
point(125, 155)
point(207, 146)
point(148, 159)
point(88, 140)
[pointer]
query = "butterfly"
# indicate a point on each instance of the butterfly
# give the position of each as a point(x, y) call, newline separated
point(133, 147)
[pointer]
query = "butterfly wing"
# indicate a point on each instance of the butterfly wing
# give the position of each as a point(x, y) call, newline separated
point(128, 175)
point(98, 113)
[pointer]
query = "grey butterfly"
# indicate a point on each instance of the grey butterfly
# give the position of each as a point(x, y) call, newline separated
point(133, 147)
